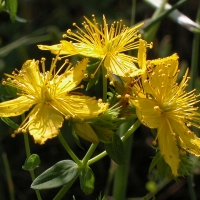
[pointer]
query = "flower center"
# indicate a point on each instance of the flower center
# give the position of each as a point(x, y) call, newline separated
point(46, 95)
point(168, 106)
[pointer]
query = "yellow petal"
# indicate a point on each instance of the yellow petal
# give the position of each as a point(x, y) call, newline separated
point(148, 112)
point(173, 59)
point(168, 146)
point(80, 107)
point(189, 141)
point(31, 76)
point(65, 48)
point(15, 107)
point(68, 48)
point(71, 78)
point(122, 65)
point(44, 123)
point(142, 54)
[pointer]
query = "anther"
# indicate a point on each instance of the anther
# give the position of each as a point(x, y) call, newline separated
point(156, 108)
point(154, 143)
point(100, 100)
point(67, 117)
point(85, 75)
point(64, 35)
point(112, 83)
point(127, 96)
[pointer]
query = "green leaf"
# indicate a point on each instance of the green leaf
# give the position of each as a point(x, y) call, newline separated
point(32, 162)
point(9, 122)
point(61, 173)
point(176, 15)
point(2, 6)
point(115, 150)
point(12, 8)
point(154, 161)
point(87, 180)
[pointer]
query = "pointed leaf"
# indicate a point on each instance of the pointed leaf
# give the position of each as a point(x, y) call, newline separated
point(115, 150)
point(154, 161)
point(87, 180)
point(9, 122)
point(32, 162)
point(12, 8)
point(177, 16)
point(58, 175)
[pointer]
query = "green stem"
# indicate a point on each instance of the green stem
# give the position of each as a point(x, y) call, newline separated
point(104, 72)
point(28, 154)
point(133, 11)
point(150, 34)
point(64, 189)
point(121, 173)
point(9, 177)
point(191, 187)
point(68, 149)
point(193, 75)
point(130, 131)
point(89, 153)
point(164, 14)
point(195, 55)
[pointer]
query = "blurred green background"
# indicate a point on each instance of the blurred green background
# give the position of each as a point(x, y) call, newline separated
point(44, 23)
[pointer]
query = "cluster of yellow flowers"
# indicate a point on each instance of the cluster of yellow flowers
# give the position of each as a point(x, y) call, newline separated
point(161, 102)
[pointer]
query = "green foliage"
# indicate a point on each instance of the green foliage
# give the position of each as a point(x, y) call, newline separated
point(91, 67)
point(163, 169)
point(186, 165)
point(9, 122)
point(32, 162)
point(87, 180)
point(101, 198)
point(115, 150)
point(62, 173)
point(109, 119)
point(11, 5)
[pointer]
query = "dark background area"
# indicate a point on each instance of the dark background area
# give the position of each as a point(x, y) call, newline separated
point(52, 18)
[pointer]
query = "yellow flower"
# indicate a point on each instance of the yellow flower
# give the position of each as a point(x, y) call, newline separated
point(167, 107)
point(50, 96)
point(105, 43)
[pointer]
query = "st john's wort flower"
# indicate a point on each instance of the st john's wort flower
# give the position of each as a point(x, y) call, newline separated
point(163, 104)
point(50, 98)
point(105, 43)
